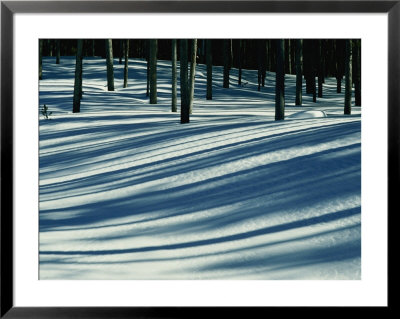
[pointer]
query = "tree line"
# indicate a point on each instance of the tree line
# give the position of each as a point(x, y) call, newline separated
point(311, 60)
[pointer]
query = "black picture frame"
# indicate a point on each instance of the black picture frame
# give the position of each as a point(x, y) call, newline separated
point(9, 8)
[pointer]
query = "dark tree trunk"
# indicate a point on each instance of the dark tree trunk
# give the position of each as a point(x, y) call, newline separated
point(280, 81)
point(110, 65)
point(320, 68)
point(121, 50)
point(93, 48)
point(40, 59)
point(184, 81)
point(357, 71)
point(192, 75)
point(174, 76)
point(78, 78)
point(209, 69)
point(339, 57)
point(288, 57)
point(240, 63)
point(147, 53)
point(339, 84)
point(299, 71)
point(50, 47)
point(261, 58)
point(153, 71)
point(348, 78)
point(226, 50)
point(58, 51)
point(126, 54)
point(314, 88)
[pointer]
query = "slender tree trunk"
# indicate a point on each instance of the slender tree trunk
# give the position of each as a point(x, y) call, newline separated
point(299, 71)
point(40, 59)
point(174, 76)
point(121, 49)
point(263, 62)
point(314, 88)
point(226, 63)
point(78, 78)
point(280, 81)
point(147, 51)
point(240, 63)
point(209, 69)
point(126, 53)
point(81, 69)
point(153, 71)
point(50, 44)
point(339, 57)
point(93, 48)
point(110, 65)
point(288, 57)
point(339, 84)
point(184, 81)
point(348, 78)
point(320, 68)
point(259, 64)
point(357, 72)
point(192, 75)
point(58, 51)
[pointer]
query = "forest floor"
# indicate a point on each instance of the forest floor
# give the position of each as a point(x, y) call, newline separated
point(127, 192)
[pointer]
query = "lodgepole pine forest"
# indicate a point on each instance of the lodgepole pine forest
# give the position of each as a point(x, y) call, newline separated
point(200, 159)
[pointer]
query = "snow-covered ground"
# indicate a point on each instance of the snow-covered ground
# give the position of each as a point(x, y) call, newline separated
point(127, 192)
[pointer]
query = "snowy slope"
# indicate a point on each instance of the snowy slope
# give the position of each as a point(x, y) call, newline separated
point(127, 192)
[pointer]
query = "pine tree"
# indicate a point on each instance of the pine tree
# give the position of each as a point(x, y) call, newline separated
point(280, 81)
point(153, 71)
point(184, 81)
point(192, 74)
point(126, 54)
point(209, 69)
point(78, 78)
point(299, 71)
point(110, 65)
point(174, 75)
point(348, 77)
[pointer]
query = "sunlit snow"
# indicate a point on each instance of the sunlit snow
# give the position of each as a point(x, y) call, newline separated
point(127, 192)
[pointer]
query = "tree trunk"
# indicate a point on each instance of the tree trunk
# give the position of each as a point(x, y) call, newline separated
point(226, 63)
point(280, 81)
point(174, 76)
point(192, 75)
point(339, 84)
point(121, 49)
point(184, 81)
point(209, 69)
point(299, 71)
point(78, 78)
point(126, 53)
point(357, 72)
point(153, 71)
point(58, 51)
point(93, 48)
point(40, 59)
point(320, 68)
point(288, 57)
point(348, 78)
point(240, 63)
point(110, 65)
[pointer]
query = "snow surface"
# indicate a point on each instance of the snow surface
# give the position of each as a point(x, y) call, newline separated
point(127, 192)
